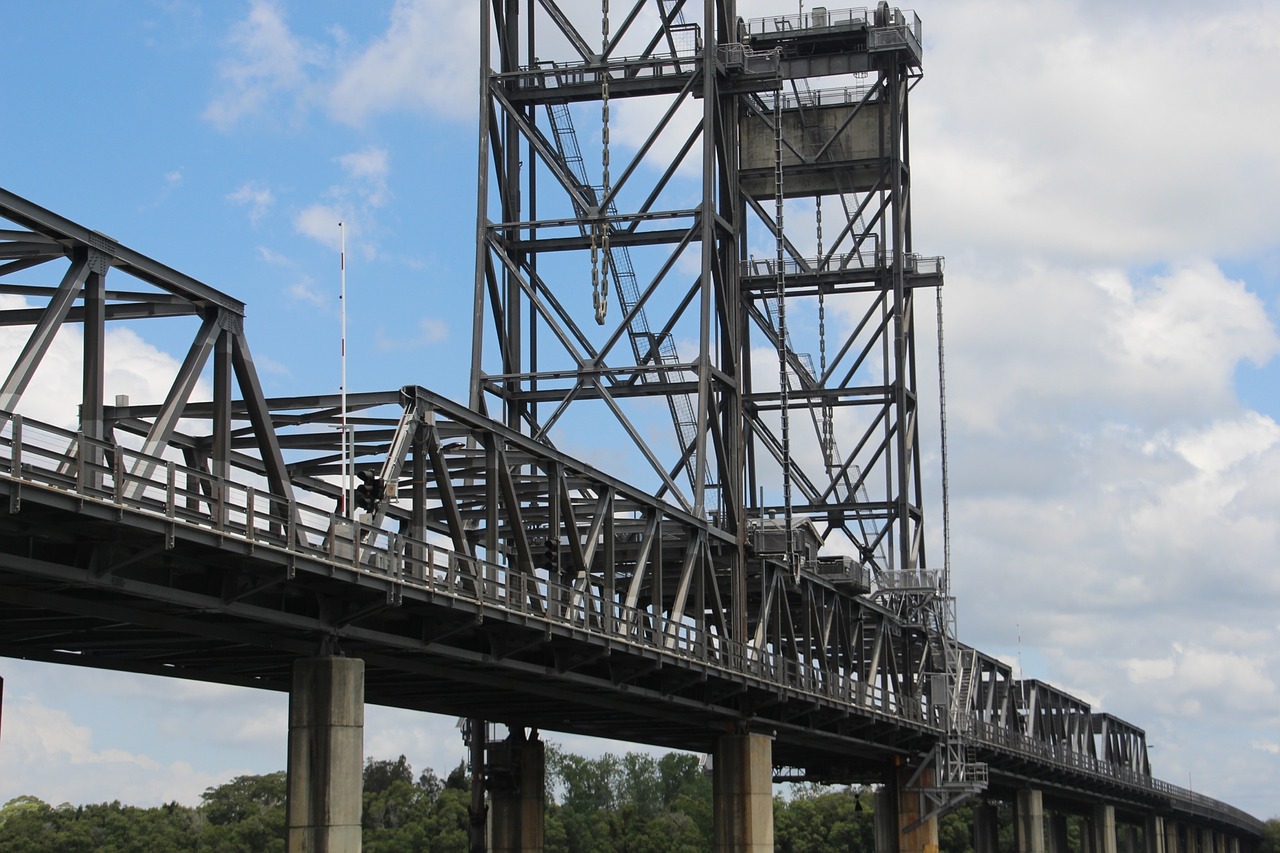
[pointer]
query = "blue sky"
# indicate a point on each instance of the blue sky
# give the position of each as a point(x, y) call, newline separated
point(1102, 182)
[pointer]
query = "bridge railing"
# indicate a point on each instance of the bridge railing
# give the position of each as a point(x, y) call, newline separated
point(1014, 741)
point(34, 454)
point(37, 454)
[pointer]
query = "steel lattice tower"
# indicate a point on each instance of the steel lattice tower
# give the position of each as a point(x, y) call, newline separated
point(650, 168)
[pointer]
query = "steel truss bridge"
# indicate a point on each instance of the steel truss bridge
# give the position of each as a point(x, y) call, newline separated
point(503, 579)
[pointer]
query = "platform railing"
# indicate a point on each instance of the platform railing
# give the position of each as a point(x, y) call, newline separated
point(912, 264)
point(39, 457)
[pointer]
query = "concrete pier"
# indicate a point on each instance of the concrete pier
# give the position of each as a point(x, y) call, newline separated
point(742, 794)
point(518, 797)
point(1028, 820)
point(897, 808)
point(1154, 835)
point(326, 755)
point(986, 828)
point(1103, 829)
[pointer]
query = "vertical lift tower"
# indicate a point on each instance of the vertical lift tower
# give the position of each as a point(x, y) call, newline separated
point(672, 222)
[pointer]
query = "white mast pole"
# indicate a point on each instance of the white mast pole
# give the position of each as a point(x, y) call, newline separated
point(348, 445)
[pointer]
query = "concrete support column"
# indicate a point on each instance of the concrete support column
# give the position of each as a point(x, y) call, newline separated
point(1028, 821)
point(1153, 834)
point(1057, 840)
point(1172, 839)
point(742, 794)
point(517, 802)
point(1104, 829)
point(1206, 840)
point(898, 808)
point(326, 755)
point(986, 829)
point(1233, 844)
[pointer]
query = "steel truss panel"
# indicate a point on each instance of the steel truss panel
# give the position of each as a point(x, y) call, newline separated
point(559, 238)
point(44, 238)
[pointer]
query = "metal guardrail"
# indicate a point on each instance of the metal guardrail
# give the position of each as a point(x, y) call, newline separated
point(815, 19)
point(39, 456)
point(830, 97)
point(1016, 742)
point(559, 75)
point(913, 264)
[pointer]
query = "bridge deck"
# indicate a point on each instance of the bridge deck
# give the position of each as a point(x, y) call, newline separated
point(122, 565)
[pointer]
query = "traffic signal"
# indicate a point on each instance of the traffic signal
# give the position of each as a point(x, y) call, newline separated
point(369, 492)
point(551, 554)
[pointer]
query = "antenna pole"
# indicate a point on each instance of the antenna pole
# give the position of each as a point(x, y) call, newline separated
point(348, 445)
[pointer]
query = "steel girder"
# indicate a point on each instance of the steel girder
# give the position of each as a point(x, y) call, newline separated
point(488, 492)
point(44, 238)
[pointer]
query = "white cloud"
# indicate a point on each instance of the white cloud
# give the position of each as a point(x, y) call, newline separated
point(304, 289)
point(397, 72)
point(49, 755)
point(369, 168)
point(268, 70)
point(274, 258)
point(133, 367)
point(1094, 135)
point(257, 198)
point(430, 330)
point(353, 202)
point(320, 222)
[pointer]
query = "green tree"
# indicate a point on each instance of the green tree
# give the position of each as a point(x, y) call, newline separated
point(246, 814)
point(1270, 837)
point(817, 819)
point(629, 804)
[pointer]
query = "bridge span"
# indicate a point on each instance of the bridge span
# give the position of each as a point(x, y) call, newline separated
point(747, 602)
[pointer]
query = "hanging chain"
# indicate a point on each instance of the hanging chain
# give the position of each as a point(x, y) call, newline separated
point(827, 443)
point(783, 346)
point(601, 300)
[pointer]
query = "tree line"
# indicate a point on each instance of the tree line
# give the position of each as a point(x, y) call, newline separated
point(633, 803)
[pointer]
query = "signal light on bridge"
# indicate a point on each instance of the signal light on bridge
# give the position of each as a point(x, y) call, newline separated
point(370, 491)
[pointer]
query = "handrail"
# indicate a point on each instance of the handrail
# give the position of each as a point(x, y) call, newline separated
point(34, 454)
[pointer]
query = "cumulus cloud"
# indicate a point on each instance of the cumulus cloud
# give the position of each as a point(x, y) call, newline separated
point(268, 69)
point(396, 72)
point(257, 198)
point(429, 330)
point(369, 169)
point(272, 72)
point(1103, 142)
point(51, 756)
point(354, 202)
point(319, 221)
point(133, 367)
